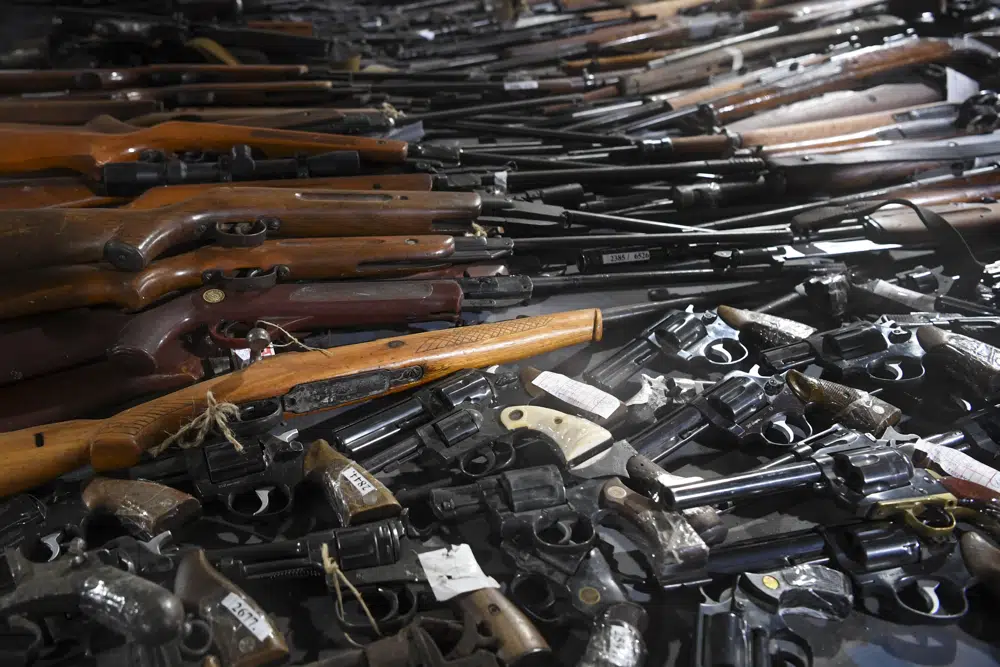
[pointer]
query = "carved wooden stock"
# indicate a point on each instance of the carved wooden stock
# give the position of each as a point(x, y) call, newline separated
point(306, 381)
point(59, 288)
point(131, 239)
point(14, 81)
point(26, 148)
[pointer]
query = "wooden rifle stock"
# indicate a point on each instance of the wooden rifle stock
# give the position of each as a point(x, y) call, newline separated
point(902, 225)
point(281, 118)
point(57, 191)
point(983, 194)
point(40, 81)
point(306, 381)
point(63, 287)
point(131, 239)
point(26, 148)
point(71, 111)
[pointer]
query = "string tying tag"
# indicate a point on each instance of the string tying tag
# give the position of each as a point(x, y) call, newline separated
point(293, 339)
point(336, 576)
point(217, 414)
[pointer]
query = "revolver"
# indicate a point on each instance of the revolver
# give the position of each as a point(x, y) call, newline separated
point(749, 627)
point(681, 340)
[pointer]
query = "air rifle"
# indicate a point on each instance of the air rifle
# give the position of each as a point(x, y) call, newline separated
point(34, 147)
point(305, 382)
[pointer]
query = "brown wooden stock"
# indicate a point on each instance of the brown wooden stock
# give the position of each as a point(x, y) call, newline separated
point(281, 119)
point(172, 194)
point(295, 308)
point(595, 37)
point(243, 94)
point(854, 68)
point(903, 226)
point(145, 508)
point(705, 146)
point(71, 112)
point(518, 640)
point(35, 455)
point(63, 287)
point(39, 81)
point(68, 192)
point(131, 239)
point(58, 396)
point(833, 127)
point(982, 194)
point(611, 63)
point(25, 148)
point(337, 474)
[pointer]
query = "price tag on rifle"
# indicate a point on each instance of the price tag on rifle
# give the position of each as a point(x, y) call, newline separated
point(244, 352)
point(249, 617)
point(357, 480)
point(578, 394)
point(626, 257)
point(959, 86)
point(454, 570)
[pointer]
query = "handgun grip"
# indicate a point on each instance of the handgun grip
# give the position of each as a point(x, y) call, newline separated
point(145, 508)
point(519, 642)
point(243, 634)
point(355, 494)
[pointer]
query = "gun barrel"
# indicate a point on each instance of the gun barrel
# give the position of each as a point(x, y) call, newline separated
point(740, 487)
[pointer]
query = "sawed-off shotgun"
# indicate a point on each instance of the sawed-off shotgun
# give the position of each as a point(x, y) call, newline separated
point(304, 381)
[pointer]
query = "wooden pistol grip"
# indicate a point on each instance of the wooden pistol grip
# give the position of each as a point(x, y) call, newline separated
point(294, 307)
point(243, 633)
point(355, 495)
point(355, 373)
point(145, 508)
point(35, 238)
point(173, 194)
point(903, 226)
point(179, 136)
point(517, 637)
point(292, 213)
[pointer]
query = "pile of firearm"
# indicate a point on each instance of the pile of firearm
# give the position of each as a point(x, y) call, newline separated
point(270, 393)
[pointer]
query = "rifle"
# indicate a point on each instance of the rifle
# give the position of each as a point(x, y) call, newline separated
point(17, 82)
point(47, 111)
point(330, 121)
point(131, 239)
point(306, 382)
point(31, 148)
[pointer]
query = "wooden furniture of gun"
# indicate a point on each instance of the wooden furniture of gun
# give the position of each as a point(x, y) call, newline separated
point(48, 111)
point(305, 381)
point(25, 148)
point(234, 216)
point(63, 287)
point(282, 118)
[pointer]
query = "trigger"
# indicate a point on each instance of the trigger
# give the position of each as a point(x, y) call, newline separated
point(265, 499)
point(722, 352)
point(896, 370)
point(927, 588)
point(785, 430)
point(52, 542)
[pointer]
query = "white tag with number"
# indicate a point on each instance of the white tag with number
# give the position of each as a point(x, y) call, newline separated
point(357, 480)
point(520, 85)
point(577, 394)
point(454, 570)
point(959, 86)
point(251, 619)
point(623, 257)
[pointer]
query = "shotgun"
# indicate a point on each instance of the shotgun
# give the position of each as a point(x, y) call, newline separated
point(304, 381)
point(230, 216)
point(25, 148)
point(73, 286)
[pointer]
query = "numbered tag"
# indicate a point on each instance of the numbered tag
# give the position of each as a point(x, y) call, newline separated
point(251, 619)
point(357, 480)
point(625, 257)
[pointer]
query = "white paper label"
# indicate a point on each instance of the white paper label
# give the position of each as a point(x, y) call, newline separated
point(427, 34)
point(520, 85)
point(959, 86)
point(961, 465)
point(625, 257)
point(577, 394)
point(847, 247)
point(500, 180)
point(354, 476)
point(454, 570)
point(737, 57)
point(244, 352)
point(251, 619)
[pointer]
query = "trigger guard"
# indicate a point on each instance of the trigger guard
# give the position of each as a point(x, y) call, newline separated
point(953, 604)
point(792, 423)
point(495, 460)
point(235, 239)
point(270, 513)
point(258, 280)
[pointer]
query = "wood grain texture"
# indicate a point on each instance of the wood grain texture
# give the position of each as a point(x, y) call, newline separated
point(26, 147)
point(145, 508)
point(339, 476)
point(118, 441)
point(58, 191)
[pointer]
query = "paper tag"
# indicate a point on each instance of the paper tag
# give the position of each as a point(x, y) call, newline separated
point(961, 465)
point(454, 570)
point(251, 619)
point(520, 85)
point(244, 352)
point(427, 34)
point(959, 86)
point(737, 57)
point(847, 247)
point(500, 180)
point(354, 476)
point(577, 394)
point(624, 257)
